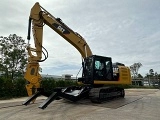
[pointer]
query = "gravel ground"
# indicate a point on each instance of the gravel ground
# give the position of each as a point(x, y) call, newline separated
point(139, 104)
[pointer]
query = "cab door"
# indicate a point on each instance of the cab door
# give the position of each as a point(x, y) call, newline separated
point(103, 68)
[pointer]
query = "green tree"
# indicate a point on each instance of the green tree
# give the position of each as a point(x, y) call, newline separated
point(13, 56)
point(151, 72)
point(146, 76)
point(135, 68)
point(140, 76)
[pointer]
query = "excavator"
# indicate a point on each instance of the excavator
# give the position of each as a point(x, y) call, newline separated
point(99, 75)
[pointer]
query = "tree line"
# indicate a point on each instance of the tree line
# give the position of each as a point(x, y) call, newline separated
point(135, 71)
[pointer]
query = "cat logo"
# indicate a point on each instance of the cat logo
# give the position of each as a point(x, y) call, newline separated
point(60, 28)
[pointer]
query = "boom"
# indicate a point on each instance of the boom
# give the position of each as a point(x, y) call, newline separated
point(38, 18)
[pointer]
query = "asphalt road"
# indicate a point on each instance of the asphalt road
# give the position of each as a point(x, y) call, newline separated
point(139, 104)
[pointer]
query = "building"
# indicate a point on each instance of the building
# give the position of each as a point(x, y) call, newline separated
point(146, 81)
point(137, 81)
point(62, 77)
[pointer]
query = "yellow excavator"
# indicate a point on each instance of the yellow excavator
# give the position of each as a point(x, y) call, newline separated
point(97, 71)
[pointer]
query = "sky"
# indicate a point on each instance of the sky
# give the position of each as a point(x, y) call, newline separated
point(126, 30)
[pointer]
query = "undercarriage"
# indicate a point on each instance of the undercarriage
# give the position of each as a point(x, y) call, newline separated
point(76, 93)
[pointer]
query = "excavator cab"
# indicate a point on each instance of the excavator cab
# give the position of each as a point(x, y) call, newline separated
point(97, 68)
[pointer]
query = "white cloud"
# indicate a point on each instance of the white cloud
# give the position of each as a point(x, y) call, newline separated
point(127, 31)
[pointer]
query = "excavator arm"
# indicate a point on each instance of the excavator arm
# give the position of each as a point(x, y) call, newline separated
point(38, 18)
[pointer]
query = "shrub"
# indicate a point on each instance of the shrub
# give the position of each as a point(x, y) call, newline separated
point(12, 88)
point(50, 83)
